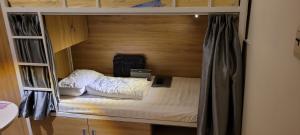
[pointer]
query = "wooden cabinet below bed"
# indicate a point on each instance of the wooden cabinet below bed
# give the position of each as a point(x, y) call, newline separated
point(104, 127)
point(60, 126)
point(80, 126)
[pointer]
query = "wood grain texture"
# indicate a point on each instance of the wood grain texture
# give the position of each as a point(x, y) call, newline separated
point(81, 3)
point(222, 3)
point(118, 3)
point(35, 3)
point(62, 63)
point(191, 3)
point(171, 44)
point(66, 30)
point(9, 89)
point(130, 3)
point(59, 126)
point(102, 127)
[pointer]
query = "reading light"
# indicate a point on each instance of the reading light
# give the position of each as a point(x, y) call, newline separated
point(196, 15)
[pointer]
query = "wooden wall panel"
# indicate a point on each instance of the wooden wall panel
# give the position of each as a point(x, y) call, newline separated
point(191, 3)
point(81, 3)
point(62, 63)
point(66, 30)
point(35, 3)
point(118, 3)
point(172, 44)
point(130, 3)
point(220, 3)
point(9, 89)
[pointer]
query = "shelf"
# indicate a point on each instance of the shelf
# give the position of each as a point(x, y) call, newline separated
point(37, 89)
point(33, 64)
point(27, 37)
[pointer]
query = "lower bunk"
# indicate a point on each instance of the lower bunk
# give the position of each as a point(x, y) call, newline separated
point(161, 111)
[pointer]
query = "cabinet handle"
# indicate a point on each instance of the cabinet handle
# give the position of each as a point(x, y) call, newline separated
point(93, 132)
point(83, 131)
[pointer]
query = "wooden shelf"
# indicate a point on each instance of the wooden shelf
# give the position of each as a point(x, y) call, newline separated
point(33, 64)
point(27, 37)
point(37, 89)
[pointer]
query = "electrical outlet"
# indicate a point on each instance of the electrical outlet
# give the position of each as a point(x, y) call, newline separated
point(297, 44)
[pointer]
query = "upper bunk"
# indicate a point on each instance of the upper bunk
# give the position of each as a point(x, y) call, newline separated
point(125, 6)
point(130, 7)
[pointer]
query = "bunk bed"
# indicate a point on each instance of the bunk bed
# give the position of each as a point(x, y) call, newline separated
point(176, 106)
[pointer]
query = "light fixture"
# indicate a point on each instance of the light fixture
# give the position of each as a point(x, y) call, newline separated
point(196, 15)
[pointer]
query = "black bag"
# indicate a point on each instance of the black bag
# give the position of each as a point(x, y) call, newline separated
point(123, 63)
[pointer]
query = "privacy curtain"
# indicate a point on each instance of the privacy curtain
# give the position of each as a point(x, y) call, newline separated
point(221, 99)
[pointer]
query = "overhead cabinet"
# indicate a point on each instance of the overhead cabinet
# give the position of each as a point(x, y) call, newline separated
point(66, 30)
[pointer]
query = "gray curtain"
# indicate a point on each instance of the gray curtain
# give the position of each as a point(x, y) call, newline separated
point(30, 50)
point(34, 104)
point(24, 24)
point(221, 97)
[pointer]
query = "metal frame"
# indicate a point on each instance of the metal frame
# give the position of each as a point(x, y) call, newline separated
point(241, 10)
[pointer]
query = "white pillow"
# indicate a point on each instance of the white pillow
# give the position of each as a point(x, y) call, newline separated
point(79, 79)
point(71, 91)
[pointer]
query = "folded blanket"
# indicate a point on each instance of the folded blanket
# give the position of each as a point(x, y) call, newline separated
point(115, 87)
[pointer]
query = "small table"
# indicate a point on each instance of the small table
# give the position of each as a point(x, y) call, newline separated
point(8, 112)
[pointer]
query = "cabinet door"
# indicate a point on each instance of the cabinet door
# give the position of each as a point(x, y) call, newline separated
point(102, 127)
point(60, 126)
point(66, 30)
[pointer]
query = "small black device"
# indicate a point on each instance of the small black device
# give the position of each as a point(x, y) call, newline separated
point(141, 73)
point(162, 81)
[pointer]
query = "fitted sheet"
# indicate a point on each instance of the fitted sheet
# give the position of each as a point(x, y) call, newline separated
point(179, 103)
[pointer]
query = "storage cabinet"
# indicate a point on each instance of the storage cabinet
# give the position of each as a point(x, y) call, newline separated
point(60, 126)
point(103, 127)
point(74, 126)
point(66, 30)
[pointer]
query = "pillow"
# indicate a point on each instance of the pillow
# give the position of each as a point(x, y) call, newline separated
point(79, 79)
point(71, 91)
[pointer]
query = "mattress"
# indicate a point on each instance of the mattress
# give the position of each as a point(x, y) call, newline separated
point(179, 103)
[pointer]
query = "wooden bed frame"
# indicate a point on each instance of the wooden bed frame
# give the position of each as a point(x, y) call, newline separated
point(241, 10)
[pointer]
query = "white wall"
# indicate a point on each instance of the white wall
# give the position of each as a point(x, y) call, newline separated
point(272, 95)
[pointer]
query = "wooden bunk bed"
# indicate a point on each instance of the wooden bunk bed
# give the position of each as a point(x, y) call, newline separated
point(67, 22)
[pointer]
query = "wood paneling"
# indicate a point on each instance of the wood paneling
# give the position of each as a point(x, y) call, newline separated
point(62, 63)
point(220, 3)
point(191, 3)
point(102, 127)
point(171, 44)
point(66, 30)
point(8, 82)
point(59, 126)
point(118, 3)
point(35, 3)
point(130, 3)
point(81, 3)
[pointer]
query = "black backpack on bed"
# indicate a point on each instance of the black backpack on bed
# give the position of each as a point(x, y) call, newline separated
point(123, 63)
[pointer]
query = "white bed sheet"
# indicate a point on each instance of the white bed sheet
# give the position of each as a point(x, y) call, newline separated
point(178, 103)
